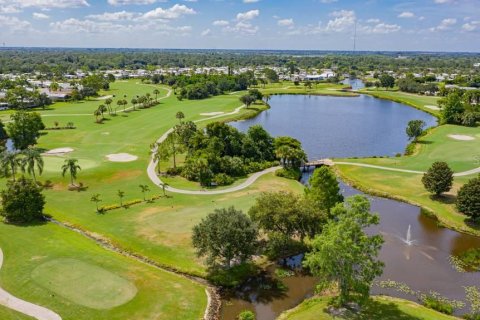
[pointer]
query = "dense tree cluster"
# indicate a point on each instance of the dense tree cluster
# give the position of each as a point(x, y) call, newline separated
point(219, 153)
point(417, 85)
point(24, 129)
point(22, 201)
point(461, 107)
point(56, 62)
point(468, 199)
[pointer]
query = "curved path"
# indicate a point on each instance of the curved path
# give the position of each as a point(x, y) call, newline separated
point(152, 173)
point(458, 174)
point(25, 307)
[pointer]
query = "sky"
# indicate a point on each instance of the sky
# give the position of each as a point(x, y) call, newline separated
point(427, 25)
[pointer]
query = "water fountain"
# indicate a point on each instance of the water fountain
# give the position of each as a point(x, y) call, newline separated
point(408, 240)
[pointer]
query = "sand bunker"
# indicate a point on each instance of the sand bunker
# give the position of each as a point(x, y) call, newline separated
point(432, 107)
point(461, 137)
point(105, 133)
point(121, 157)
point(58, 151)
point(104, 97)
point(211, 113)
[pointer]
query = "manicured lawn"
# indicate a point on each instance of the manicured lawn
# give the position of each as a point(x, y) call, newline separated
point(380, 308)
point(159, 230)
point(8, 314)
point(288, 87)
point(414, 100)
point(71, 275)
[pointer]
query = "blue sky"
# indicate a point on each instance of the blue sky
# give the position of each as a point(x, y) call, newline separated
point(435, 25)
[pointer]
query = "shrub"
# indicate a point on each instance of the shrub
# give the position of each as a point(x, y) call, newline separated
point(246, 315)
point(223, 179)
point(174, 171)
point(410, 149)
point(436, 302)
point(468, 199)
point(471, 259)
point(289, 173)
point(234, 276)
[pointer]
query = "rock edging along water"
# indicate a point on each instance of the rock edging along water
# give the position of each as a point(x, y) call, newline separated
point(212, 310)
point(25, 307)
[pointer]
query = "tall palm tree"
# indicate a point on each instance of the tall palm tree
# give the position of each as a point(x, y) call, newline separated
point(121, 194)
point(108, 102)
point(96, 198)
point(134, 102)
point(32, 158)
point(144, 188)
point(102, 108)
point(9, 163)
point(180, 116)
point(97, 113)
point(156, 92)
point(164, 187)
point(71, 165)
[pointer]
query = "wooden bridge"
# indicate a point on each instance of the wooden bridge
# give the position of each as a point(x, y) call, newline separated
point(318, 163)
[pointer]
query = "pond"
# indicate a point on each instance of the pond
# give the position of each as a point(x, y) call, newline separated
point(362, 126)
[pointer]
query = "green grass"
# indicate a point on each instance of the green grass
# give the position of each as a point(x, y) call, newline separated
point(9, 314)
point(288, 87)
point(45, 264)
point(413, 100)
point(379, 308)
point(95, 287)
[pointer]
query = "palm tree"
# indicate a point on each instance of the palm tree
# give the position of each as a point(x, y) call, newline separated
point(9, 163)
point(97, 113)
point(156, 92)
point(71, 165)
point(96, 198)
point(108, 102)
point(32, 157)
point(102, 108)
point(180, 116)
point(124, 103)
point(134, 102)
point(144, 188)
point(164, 187)
point(121, 194)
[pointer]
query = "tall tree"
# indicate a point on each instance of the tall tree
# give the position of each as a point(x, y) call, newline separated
point(387, 81)
point(180, 116)
point(22, 201)
point(438, 178)
point(247, 100)
point(156, 92)
point(9, 161)
point(3, 133)
point(344, 254)
point(24, 129)
point(323, 189)
point(96, 198)
point(415, 129)
point(224, 236)
point(32, 158)
point(144, 189)
point(121, 195)
point(468, 198)
point(71, 166)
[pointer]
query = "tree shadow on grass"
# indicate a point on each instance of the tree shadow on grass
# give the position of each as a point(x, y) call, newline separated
point(378, 310)
point(444, 198)
point(424, 142)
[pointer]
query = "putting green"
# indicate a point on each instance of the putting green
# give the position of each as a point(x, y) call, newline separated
point(84, 284)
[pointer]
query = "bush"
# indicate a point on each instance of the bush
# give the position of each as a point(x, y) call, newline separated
point(234, 276)
point(246, 315)
point(468, 199)
point(289, 173)
point(471, 259)
point(253, 167)
point(174, 171)
point(472, 316)
point(223, 179)
point(410, 149)
point(436, 302)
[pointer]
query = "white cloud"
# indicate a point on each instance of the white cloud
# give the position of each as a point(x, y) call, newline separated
point(8, 8)
point(242, 27)
point(471, 26)
point(406, 14)
point(373, 20)
point(381, 28)
point(249, 15)
point(344, 20)
point(206, 32)
point(220, 23)
point(40, 16)
point(45, 4)
point(174, 12)
point(250, 1)
point(442, 1)
point(446, 24)
point(13, 23)
point(113, 16)
point(286, 22)
point(131, 2)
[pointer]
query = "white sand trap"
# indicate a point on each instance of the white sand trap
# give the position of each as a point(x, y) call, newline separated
point(432, 107)
point(121, 157)
point(211, 113)
point(58, 151)
point(105, 133)
point(104, 97)
point(461, 137)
